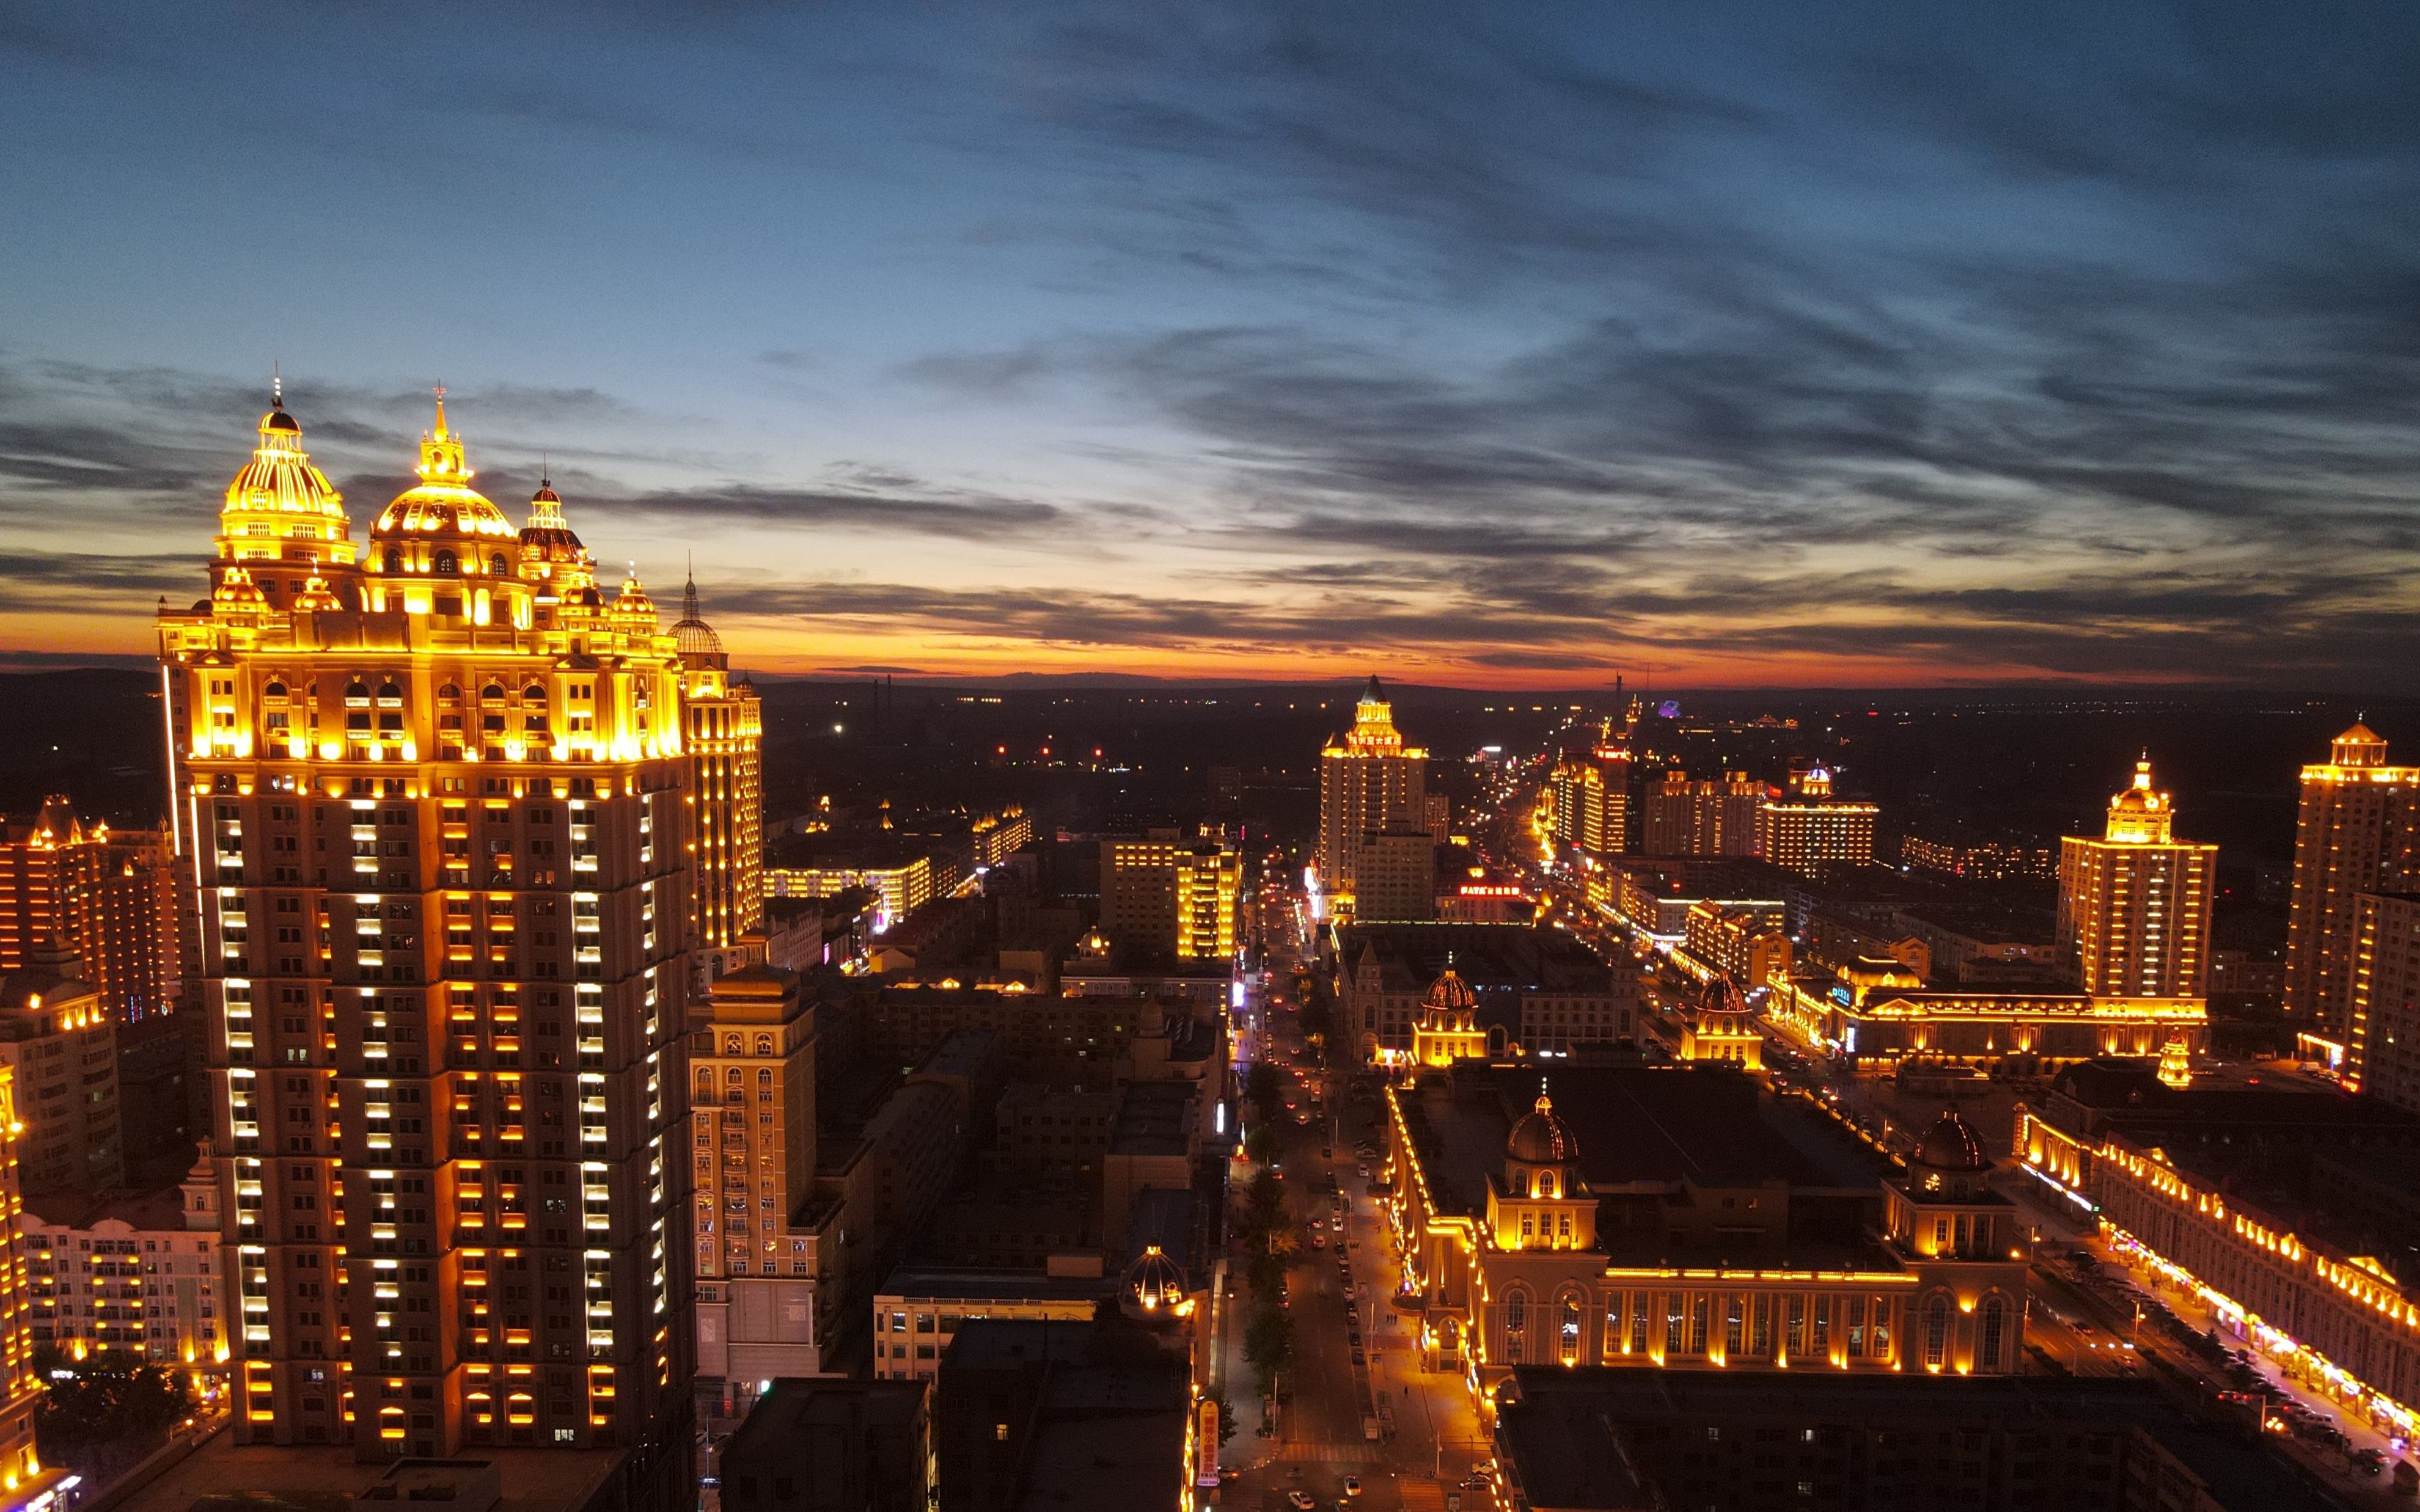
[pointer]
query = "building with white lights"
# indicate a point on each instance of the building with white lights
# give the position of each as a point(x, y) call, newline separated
point(2357, 831)
point(1370, 782)
point(133, 1273)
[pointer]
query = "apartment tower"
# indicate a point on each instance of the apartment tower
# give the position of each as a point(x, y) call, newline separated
point(2358, 831)
point(726, 737)
point(2134, 906)
point(1370, 783)
point(438, 795)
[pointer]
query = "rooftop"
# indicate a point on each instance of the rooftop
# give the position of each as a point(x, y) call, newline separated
point(939, 1282)
point(225, 1476)
point(1489, 957)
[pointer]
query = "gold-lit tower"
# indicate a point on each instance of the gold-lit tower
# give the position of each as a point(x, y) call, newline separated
point(1370, 783)
point(725, 731)
point(2357, 831)
point(2134, 906)
point(436, 790)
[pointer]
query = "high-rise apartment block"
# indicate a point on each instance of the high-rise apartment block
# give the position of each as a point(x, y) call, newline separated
point(108, 896)
point(438, 790)
point(23, 1478)
point(1685, 818)
point(725, 736)
point(1370, 783)
point(2358, 831)
point(1172, 895)
point(63, 1046)
point(1395, 876)
point(2134, 906)
point(2383, 1058)
point(1808, 829)
point(1590, 801)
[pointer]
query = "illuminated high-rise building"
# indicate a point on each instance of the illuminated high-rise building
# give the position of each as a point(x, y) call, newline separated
point(23, 1482)
point(1808, 829)
point(1171, 896)
point(108, 897)
point(725, 735)
point(2134, 906)
point(1710, 817)
point(437, 790)
point(2383, 1058)
point(1590, 799)
point(1369, 784)
point(2358, 831)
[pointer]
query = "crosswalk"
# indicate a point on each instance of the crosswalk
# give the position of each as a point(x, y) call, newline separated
point(1333, 1454)
point(1419, 1495)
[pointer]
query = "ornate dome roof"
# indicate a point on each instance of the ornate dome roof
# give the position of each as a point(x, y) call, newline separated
point(1952, 1145)
point(632, 602)
point(694, 637)
point(1154, 1281)
point(547, 529)
point(1541, 1137)
point(443, 503)
point(1449, 994)
point(1720, 995)
point(280, 479)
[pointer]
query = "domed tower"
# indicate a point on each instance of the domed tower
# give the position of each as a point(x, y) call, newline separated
point(1446, 1029)
point(724, 725)
point(553, 557)
point(1540, 1201)
point(283, 521)
point(442, 549)
point(1152, 1288)
point(1968, 1252)
point(1722, 1028)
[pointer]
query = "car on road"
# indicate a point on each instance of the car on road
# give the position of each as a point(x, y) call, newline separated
point(1358, 1358)
point(1300, 1501)
point(1352, 1484)
point(1319, 1241)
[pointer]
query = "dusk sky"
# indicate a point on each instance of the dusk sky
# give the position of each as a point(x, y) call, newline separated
point(1484, 344)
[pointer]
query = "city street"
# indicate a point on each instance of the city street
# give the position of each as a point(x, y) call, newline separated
point(1339, 1301)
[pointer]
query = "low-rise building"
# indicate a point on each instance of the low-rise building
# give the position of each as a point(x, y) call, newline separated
point(1030, 1416)
point(1865, 1012)
point(920, 1309)
point(1534, 987)
point(130, 1273)
point(832, 1445)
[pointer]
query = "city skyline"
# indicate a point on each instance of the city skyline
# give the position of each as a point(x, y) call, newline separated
point(1813, 352)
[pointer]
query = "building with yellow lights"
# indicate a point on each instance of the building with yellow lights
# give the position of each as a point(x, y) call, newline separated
point(1589, 801)
point(2134, 906)
point(2357, 831)
point(1664, 1216)
point(435, 787)
point(107, 897)
point(1876, 1013)
point(60, 1041)
point(725, 736)
point(2383, 1058)
point(2289, 1215)
point(1370, 783)
point(1720, 1026)
point(1166, 895)
point(1746, 945)
point(1810, 830)
point(25, 1484)
point(133, 1273)
point(901, 887)
point(1529, 988)
point(1709, 818)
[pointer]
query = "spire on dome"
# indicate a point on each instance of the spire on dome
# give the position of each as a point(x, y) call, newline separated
point(440, 451)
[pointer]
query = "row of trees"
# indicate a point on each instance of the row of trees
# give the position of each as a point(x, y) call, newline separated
point(1272, 1238)
point(97, 1405)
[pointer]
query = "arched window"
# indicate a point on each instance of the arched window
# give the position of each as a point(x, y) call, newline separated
point(1546, 1183)
point(390, 690)
point(446, 567)
point(492, 691)
point(1568, 1331)
point(394, 559)
point(706, 1083)
point(357, 691)
point(763, 1044)
point(496, 563)
point(1993, 1332)
point(534, 691)
point(731, 1043)
point(763, 1078)
point(449, 693)
point(1517, 1322)
point(1936, 1331)
point(1520, 1184)
point(274, 690)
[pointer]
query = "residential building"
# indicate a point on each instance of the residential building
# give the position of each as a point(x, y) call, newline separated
point(1745, 945)
point(63, 1045)
point(1032, 1415)
point(2357, 831)
point(1952, 853)
point(903, 886)
point(1168, 896)
point(1682, 1217)
point(25, 1484)
point(438, 794)
point(1533, 987)
point(2134, 906)
point(1395, 876)
point(1710, 817)
point(131, 1272)
point(832, 1445)
point(920, 1310)
point(1370, 782)
point(1590, 800)
point(107, 897)
point(1810, 830)
point(724, 733)
point(2383, 1058)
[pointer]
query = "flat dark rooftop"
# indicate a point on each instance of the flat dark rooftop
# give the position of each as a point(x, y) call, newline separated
point(992, 1285)
point(1489, 957)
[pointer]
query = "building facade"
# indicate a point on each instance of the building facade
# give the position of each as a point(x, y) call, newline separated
point(1710, 817)
point(1395, 876)
point(2357, 831)
point(902, 888)
point(132, 1274)
point(1590, 800)
point(726, 737)
point(437, 790)
point(1532, 989)
point(1808, 830)
point(2134, 906)
point(62, 1043)
point(107, 897)
point(1370, 782)
point(2383, 1058)
point(1173, 896)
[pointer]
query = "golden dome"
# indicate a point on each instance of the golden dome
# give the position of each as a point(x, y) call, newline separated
point(1541, 1137)
point(632, 603)
point(280, 480)
point(443, 503)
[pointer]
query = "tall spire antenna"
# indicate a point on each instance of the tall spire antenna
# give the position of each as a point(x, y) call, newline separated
point(276, 386)
point(545, 471)
point(689, 594)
